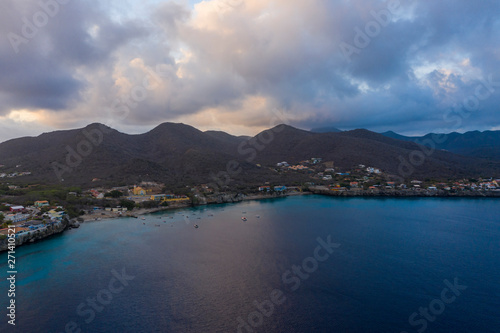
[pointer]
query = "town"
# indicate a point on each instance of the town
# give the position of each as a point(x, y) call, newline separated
point(38, 211)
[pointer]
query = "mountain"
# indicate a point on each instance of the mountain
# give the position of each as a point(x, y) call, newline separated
point(174, 153)
point(325, 130)
point(228, 138)
point(179, 155)
point(474, 144)
point(351, 148)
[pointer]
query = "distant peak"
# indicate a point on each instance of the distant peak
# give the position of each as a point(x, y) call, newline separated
point(325, 130)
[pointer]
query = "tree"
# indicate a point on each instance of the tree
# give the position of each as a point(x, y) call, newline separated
point(114, 194)
point(2, 217)
point(149, 204)
point(129, 204)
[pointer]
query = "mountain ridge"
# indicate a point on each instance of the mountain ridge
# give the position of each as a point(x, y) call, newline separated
point(485, 144)
point(176, 153)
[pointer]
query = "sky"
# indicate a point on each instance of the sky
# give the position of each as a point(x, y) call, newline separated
point(242, 66)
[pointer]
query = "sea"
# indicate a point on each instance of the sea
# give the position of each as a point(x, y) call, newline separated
point(296, 264)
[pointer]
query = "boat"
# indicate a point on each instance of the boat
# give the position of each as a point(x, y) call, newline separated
point(143, 218)
point(196, 226)
point(257, 216)
point(244, 218)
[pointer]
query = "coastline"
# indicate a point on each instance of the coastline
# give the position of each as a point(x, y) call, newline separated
point(406, 193)
point(100, 215)
point(105, 215)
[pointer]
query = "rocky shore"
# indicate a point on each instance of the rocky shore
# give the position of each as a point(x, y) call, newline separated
point(407, 193)
point(221, 198)
point(41, 233)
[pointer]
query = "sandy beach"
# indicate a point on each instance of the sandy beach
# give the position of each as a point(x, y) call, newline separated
point(100, 215)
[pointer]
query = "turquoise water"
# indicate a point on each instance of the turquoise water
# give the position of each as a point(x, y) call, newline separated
point(391, 258)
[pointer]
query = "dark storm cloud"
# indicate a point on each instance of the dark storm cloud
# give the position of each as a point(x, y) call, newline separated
point(233, 64)
point(40, 60)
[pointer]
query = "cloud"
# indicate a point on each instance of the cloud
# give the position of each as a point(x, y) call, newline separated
point(228, 64)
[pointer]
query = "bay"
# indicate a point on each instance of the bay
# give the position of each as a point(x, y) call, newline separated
point(393, 259)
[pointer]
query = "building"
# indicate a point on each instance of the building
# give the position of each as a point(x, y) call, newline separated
point(158, 197)
point(280, 188)
point(42, 203)
point(17, 230)
point(137, 190)
point(264, 188)
point(55, 215)
point(15, 218)
point(373, 170)
point(97, 194)
point(16, 209)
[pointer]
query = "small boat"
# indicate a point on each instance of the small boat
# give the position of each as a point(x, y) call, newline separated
point(157, 225)
point(244, 218)
point(196, 226)
point(257, 216)
point(143, 218)
point(144, 223)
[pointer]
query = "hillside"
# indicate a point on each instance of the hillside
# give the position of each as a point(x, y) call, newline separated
point(474, 144)
point(179, 154)
point(350, 148)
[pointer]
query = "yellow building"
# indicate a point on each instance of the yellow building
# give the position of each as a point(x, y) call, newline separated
point(139, 191)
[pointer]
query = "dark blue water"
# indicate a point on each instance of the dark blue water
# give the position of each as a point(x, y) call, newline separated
point(393, 259)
